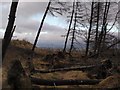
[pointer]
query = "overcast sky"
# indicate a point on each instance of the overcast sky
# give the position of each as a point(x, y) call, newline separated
point(28, 18)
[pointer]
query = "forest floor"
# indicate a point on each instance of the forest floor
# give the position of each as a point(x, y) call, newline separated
point(22, 50)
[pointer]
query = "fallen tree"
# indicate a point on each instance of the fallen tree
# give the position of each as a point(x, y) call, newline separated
point(101, 69)
point(63, 82)
point(106, 64)
point(82, 68)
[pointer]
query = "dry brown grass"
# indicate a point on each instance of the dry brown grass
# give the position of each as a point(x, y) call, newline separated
point(75, 75)
point(22, 50)
point(21, 44)
point(110, 82)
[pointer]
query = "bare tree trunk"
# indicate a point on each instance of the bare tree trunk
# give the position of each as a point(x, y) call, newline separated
point(104, 37)
point(30, 62)
point(79, 68)
point(73, 33)
point(9, 32)
point(113, 45)
point(97, 26)
point(10, 37)
point(89, 32)
point(103, 27)
point(66, 40)
point(36, 39)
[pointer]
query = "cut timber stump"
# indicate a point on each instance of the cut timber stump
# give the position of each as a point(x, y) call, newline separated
point(17, 78)
point(38, 81)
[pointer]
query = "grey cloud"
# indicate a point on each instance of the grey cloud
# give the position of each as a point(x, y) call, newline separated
point(52, 28)
point(27, 24)
point(5, 6)
point(27, 27)
point(23, 18)
point(33, 26)
point(52, 32)
point(28, 9)
point(25, 10)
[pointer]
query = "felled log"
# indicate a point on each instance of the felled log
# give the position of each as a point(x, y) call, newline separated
point(38, 81)
point(82, 68)
point(106, 64)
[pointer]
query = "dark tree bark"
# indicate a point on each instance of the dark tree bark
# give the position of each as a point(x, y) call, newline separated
point(97, 26)
point(63, 82)
point(73, 33)
point(89, 32)
point(103, 27)
point(66, 40)
point(30, 62)
point(40, 28)
point(112, 45)
point(104, 37)
point(9, 32)
point(12, 33)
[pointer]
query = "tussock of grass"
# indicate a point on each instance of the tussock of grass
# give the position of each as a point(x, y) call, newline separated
point(110, 82)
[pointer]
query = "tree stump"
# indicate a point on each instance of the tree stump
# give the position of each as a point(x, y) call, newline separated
point(17, 78)
point(102, 71)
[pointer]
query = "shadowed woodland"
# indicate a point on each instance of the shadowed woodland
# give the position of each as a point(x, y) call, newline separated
point(97, 65)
